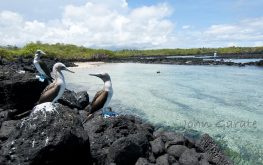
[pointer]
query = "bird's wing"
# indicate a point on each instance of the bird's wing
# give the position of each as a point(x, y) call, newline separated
point(45, 69)
point(99, 100)
point(49, 93)
point(97, 95)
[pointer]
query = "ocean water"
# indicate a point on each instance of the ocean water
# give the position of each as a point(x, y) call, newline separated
point(223, 101)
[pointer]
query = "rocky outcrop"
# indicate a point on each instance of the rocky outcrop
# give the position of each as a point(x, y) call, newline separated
point(75, 100)
point(50, 135)
point(62, 134)
point(19, 90)
point(83, 98)
point(171, 148)
point(119, 140)
point(212, 151)
point(26, 63)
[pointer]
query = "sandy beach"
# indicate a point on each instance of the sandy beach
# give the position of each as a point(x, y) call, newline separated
point(88, 64)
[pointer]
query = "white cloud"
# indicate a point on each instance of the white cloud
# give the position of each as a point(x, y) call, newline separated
point(95, 24)
point(186, 27)
point(113, 24)
point(247, 32)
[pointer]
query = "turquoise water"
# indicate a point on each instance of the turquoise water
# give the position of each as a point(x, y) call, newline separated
point(224, 101)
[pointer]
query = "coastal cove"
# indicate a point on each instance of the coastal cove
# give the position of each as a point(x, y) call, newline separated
point(224, 101)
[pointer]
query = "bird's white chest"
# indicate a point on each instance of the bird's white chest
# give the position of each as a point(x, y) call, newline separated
point(39, 69)
point(108, 88)
point(62, 88)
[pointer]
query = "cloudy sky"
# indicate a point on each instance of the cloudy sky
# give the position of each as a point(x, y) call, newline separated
point(141, 24)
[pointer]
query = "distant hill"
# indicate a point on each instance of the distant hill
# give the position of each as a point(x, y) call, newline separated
point(69, 51)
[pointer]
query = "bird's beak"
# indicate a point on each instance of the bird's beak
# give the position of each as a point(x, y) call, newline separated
point(66, 69)
point(97, 75)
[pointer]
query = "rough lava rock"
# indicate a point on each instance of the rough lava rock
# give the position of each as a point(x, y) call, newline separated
point(176, 150)
point(143, 161)
point(119, 140)
point(7, 128)
point(189, 157)
point(127, 150)
point(74, 100)
point(83, 98)
point(157, 146)
point(69, 98)
point(63, 135)
point(50, 135)
point(19, 90)
point(214, 153)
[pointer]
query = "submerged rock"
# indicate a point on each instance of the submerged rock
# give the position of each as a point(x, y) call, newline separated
point(57, 134)
point(51, 135)
point(214, 153)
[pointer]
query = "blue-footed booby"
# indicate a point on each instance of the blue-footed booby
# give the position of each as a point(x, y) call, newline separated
point(55, 90)
point(103, 97)
point(42, 67)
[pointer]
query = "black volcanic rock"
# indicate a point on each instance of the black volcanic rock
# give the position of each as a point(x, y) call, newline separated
point(259, 63)
point(19, 91)
point(69, 98)
point(143, 161)
point(3, 116)
point(83, 98)
point(163, 160)
point(48, 136)
point(74, 100)
point(7, 128)
point(214, 153)
point(157, 146)
point(63, 135)
point(128, 149)
point(113, 138)
point(176, 150)
point(189, 157)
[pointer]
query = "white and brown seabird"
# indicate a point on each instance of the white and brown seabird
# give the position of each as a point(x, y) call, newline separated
point(41, 66)
point(55, 90)
point(103, 97)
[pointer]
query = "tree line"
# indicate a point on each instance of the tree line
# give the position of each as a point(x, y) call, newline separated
point(69, 51)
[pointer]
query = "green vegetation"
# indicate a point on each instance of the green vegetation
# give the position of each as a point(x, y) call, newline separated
point(193, 51)
point(68, 51)
point(62, 51)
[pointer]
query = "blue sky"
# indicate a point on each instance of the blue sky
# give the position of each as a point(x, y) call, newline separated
point(141, 24)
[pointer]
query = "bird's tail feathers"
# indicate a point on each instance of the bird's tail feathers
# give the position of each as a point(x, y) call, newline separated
point(88, 108)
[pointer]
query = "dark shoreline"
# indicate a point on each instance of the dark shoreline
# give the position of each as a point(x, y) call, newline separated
point(121, 136)
point(26, 62)
point(181, 60)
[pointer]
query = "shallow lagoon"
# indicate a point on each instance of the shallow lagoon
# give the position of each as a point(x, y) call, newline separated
point(224, 101)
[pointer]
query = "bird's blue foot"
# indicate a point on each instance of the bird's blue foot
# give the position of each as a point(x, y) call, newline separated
point(41, 78)
point(108, 113)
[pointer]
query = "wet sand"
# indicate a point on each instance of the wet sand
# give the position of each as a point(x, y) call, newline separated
point(88, 64)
